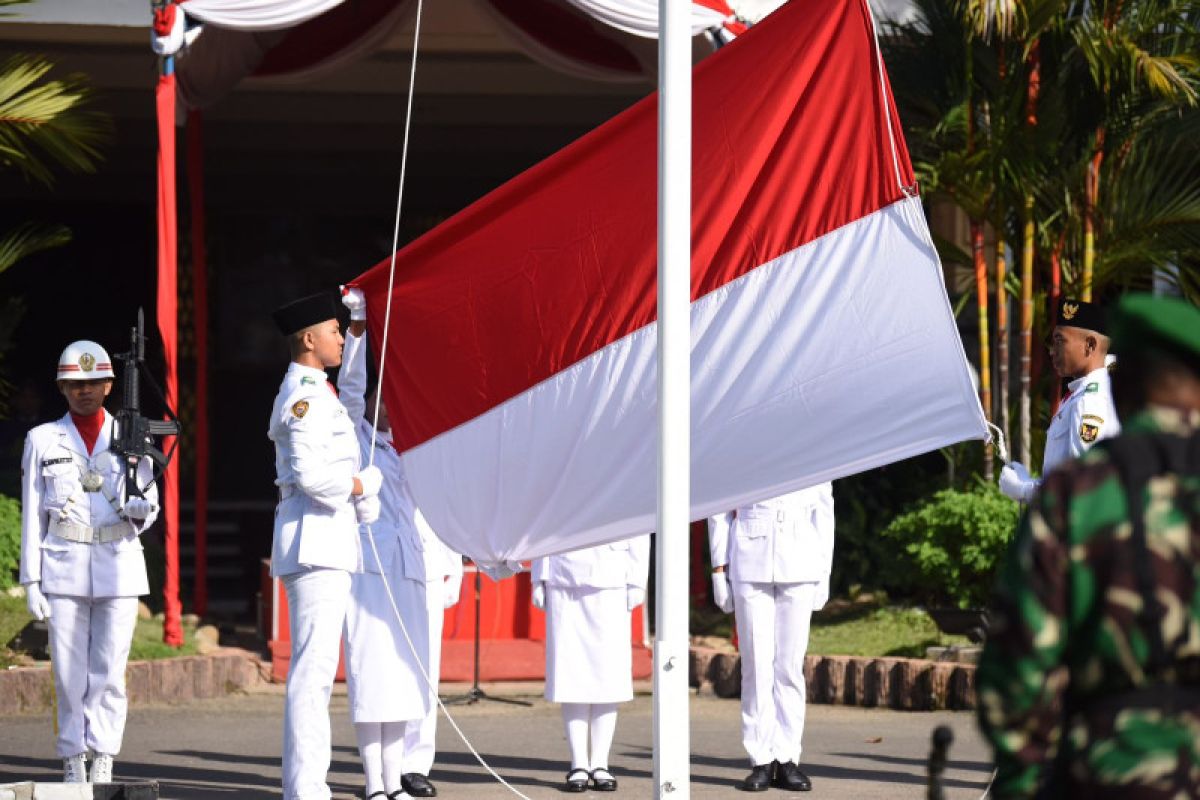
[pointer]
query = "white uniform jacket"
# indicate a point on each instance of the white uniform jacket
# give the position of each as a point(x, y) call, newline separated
point(316, 458)
point(605, 566)
point(53, 466)
point(788, 539)
point(1085, 417)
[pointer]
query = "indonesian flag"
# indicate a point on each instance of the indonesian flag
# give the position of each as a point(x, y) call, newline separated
point(520, 365)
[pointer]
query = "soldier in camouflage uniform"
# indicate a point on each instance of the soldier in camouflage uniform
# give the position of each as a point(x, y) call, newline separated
point(1089, 684)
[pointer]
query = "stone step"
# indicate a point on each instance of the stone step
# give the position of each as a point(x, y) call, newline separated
point(134, 790)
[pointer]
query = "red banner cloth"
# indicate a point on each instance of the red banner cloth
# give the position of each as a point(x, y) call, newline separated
point(167, 313)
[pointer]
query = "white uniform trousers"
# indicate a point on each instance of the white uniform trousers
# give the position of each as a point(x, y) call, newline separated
point(317, 600)
point(772, 626)
point(420, 736)
point(89, 646)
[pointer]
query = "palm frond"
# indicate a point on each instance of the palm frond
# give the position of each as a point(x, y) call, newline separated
point(28, 239)
point(46, 122)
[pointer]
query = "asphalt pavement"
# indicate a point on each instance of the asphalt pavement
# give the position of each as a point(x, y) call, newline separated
point(230, 748)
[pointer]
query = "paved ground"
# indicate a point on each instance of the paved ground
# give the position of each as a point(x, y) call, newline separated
point(230, 748)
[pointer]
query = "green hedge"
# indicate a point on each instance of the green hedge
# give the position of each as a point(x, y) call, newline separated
point(10, 541)
point(953, 543)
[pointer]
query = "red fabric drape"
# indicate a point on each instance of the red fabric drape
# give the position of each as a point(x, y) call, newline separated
point(167, 314)
point(195, 179)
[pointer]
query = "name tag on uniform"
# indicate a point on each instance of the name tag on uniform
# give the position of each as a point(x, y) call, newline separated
point(50, 462)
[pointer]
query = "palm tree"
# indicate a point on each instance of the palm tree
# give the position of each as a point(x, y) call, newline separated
point(45, 125)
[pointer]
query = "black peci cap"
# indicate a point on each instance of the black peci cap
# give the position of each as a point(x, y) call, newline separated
point(299, 314)
point(1078, 314)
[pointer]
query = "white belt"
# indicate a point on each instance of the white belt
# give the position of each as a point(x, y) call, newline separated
point(73, 532)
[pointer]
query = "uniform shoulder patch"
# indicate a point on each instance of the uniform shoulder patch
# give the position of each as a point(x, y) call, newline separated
point(308, 381)
point(300, 408)
point(1091, 388)
point(1089, 432)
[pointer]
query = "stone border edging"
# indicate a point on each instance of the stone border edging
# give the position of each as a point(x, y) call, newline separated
point(908, 684)
point(227, 670)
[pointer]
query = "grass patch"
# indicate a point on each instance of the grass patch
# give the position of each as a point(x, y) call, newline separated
point(147, 636)
point(875, 632)
point(13, 617)
point(864, 627)
point(148, 644)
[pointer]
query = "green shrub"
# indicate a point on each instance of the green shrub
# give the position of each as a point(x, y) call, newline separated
point(954, 542)
point(10, 541)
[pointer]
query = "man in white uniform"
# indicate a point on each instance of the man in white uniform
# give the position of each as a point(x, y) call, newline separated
point(81, 561)
point(324, 495)
point(771, 564)
point(1078, 350)
point(386, 689)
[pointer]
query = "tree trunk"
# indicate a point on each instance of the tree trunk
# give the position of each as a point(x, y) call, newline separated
point(1055, 296)
point(1027, 332)
point(985, 366)
point(1002, 333)
point(1091, 199)
point(1031, 98)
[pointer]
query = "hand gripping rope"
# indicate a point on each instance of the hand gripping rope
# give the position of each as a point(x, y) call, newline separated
point(430, 684)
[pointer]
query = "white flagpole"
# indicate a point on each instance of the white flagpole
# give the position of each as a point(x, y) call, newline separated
point(671, 727)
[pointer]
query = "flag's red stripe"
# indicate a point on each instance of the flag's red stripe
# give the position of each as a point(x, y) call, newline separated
point(790, 143)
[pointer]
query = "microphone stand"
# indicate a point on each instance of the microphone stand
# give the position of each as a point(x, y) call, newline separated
point(475, 694)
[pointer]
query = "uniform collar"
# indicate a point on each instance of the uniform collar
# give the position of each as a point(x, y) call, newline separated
point(1094, 376)
point(301, 371)
point(74, 442)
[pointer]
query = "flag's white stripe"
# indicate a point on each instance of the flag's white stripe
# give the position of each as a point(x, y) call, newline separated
point(834, 358)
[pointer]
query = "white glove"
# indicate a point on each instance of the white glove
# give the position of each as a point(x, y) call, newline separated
point(138, 508)
point(722, 597)
point(367, 509)
point(539, 595)
point(356, 301)
point(453, 590)
point(371, 479)
point(39, 606)
point(1017, 483)
point(634, 596)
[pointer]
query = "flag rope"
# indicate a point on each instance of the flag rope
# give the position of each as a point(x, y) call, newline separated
point(430, 684)
point(909, 191)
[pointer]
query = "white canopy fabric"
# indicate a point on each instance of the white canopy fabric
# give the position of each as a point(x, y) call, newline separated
point(256, 15)
point(640, 17)
point(592, 39)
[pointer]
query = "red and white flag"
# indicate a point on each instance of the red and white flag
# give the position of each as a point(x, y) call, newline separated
point(520, 370)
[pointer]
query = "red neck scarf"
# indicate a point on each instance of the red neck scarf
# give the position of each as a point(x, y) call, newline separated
point(89, 428)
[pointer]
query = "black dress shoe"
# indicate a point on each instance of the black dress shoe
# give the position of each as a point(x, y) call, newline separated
point(375, 794)
point(603, 781)
point(790, 777)
point(759, 778)
point(417, 785)
point(577, 780)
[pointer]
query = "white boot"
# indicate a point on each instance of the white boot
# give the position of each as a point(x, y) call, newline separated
point(102, 768)
point(75, 768)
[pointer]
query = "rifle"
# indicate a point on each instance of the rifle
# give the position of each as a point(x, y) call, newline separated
point(134, 434)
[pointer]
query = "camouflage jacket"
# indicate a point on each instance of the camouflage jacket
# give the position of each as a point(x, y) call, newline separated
point(1063, 684)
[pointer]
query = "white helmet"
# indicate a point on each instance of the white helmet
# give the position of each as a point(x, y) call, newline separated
point(84, 361)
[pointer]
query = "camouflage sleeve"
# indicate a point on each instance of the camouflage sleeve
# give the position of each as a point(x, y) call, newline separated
point(1021, 677)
